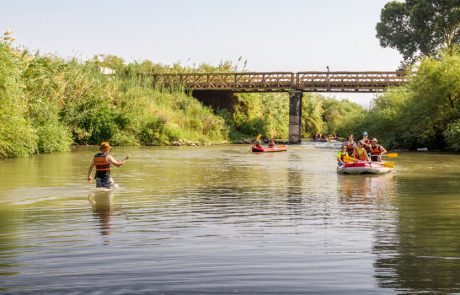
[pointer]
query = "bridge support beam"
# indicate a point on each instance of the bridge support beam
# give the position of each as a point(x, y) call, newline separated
point(295, 116)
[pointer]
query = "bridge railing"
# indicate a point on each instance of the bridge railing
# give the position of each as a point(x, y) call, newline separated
point(348, 81)
point(284, 81)
point(230, 81)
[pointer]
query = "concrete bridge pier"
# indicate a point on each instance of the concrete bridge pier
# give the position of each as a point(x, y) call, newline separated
point(295, 116)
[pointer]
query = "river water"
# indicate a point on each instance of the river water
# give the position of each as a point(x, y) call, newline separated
point(218, 220)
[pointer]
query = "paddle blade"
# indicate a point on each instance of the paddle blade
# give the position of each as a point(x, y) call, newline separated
point(389, 164)
point(392, 155)
point(259, 136)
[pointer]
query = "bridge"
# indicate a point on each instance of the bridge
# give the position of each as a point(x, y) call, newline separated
point(285, 81)
point(293, 83)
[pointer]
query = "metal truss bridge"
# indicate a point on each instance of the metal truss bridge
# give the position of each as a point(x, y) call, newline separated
point(285, 81)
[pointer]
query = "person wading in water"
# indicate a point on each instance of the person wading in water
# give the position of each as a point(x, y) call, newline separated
point(102, 162)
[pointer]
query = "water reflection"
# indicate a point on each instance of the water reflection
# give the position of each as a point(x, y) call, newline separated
point(420, 253)
point(294, 184)
point(8, 243)
point(222, 220)
point(366, 189)
point(101, 202)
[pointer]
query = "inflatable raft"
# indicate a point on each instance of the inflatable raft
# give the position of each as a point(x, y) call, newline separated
point(363, 168)
point(281, 148)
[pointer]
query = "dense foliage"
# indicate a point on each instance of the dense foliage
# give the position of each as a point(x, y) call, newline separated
point(419, 27)
point(423, 113)
point(323, 115)
point(48, 103)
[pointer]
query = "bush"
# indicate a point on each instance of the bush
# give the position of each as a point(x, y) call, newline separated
point(17, 137)
point(452, 135)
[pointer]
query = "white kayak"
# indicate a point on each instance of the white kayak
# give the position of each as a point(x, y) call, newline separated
point(363, 168)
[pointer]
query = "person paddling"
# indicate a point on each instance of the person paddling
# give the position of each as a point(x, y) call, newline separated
point(376, 150)
point(102, 162)
point(271, 144)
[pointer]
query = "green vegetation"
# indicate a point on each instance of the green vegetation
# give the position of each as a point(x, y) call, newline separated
point(423, 113)
point(419, 27)
point(48, 103)
point(328, 115)
point(268, 114)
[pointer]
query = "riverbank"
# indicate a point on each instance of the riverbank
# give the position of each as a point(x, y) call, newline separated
point(49, 103)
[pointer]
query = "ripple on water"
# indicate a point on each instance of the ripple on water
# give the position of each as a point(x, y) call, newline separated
point(223, 220)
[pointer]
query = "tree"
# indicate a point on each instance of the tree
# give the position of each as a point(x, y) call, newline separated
point(419, 27)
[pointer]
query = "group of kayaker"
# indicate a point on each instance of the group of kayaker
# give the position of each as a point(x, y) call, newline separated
point(363, 150)
point(258, 143)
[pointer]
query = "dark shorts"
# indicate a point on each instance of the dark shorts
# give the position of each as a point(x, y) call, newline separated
point(376, 158)
point(106, 182)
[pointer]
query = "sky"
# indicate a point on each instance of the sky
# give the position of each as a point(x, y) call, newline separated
point(283, 35)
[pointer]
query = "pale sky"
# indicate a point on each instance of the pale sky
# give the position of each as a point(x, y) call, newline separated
point(287, 35)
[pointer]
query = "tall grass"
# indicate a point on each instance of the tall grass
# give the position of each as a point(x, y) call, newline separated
point(48, 103)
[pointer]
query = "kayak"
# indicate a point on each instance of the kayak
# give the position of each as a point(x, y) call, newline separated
point(363, 168)
point(281, 148)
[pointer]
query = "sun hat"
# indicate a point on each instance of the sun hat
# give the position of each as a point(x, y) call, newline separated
point(374, 139)
point(365, 133)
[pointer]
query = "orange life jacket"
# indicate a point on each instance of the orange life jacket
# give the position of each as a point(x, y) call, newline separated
point(100, 161)
point(361, 153)
point(375, 150)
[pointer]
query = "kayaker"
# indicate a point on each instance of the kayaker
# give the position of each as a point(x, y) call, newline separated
point(360, 152)
point(376, 150)
point(102, 162)
point(258, 143)
point(351, 144)
point(271, 144)
point(341, 155)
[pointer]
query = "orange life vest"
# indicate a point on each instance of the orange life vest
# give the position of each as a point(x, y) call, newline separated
point(361, 155)
point(376, 150)
point(100, 161)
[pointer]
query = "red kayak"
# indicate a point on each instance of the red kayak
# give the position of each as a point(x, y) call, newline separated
point(281, 148)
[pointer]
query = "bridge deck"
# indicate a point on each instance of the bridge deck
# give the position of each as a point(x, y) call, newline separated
point(285, 81)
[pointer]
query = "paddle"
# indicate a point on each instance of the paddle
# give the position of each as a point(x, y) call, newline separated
point(392, 155)
point(348, 159)
point(388, 164)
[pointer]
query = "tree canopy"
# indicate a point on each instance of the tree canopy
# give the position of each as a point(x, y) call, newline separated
point(419, 27)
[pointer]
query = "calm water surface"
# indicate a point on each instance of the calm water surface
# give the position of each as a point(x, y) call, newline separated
point(210, 220)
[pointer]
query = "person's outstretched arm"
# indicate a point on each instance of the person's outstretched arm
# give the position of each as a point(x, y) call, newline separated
point(112, 160)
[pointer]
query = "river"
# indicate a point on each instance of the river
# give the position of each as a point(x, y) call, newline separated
point(219, 220)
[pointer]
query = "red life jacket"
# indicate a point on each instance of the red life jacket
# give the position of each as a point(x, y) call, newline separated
point(100, 161)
